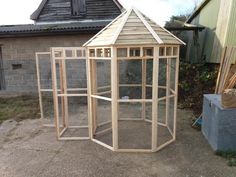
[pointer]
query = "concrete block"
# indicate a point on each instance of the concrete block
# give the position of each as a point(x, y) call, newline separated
point(219, 124)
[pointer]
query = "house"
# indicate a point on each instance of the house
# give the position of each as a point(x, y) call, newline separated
point(58, 23)
point(219, 19)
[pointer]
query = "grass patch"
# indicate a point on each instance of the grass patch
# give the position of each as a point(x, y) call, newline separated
point(230, 155)
point(19, 108)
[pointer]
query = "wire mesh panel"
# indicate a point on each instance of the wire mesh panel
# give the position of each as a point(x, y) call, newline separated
point(149, 78)
point(70, 87)
point(174, 74)
point(167, 96)
point(133, 131)
point(44, 70)
point(76, 76)
point(130, 76)
point(163, 134)
point(135, 97)
point(125, 112)
point(101, 102)
point(44, 78)
point(102, 121)
point(100, 79)
point(77, 125)
point(47, 113)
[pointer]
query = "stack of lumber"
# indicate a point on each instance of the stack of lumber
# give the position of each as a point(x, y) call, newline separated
point(226, 80)
point(228, 99)
point(229, 94)
point(231, 79)
point(225, 65)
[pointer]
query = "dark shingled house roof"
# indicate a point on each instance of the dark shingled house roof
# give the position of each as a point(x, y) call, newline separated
point(47, 29)
point(54, 10)
point(54, 17)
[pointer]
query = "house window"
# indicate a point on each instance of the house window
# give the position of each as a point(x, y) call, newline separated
point(78, 7)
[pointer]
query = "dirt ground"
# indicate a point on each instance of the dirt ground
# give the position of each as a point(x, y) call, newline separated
point(27, 149)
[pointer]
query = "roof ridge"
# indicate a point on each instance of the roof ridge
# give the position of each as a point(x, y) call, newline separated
point(119, 5)
point(118, 31)
point(121, 31)
point(36, 13)
point(29, 24)
point(31, 29)
point(104, 28)
point(166, 31)
point(148, 26)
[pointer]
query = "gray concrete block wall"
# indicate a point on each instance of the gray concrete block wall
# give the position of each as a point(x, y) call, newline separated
point(76, 73)
point(45, 72)
point(22, 79)
point(21, 51)
point(103, 73)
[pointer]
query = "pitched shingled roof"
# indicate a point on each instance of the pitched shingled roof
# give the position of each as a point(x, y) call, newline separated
point(57, 27)
point(54, 10)
point(8, 30)
point(133, 27)
point(37, 12)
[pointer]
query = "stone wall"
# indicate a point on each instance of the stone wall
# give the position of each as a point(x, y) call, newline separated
point(19, 58)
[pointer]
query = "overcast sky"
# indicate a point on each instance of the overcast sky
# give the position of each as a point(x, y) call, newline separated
point(19, 11)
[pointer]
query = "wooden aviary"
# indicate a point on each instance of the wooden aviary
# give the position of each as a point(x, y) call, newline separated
point(131, 68)
point(133, 39)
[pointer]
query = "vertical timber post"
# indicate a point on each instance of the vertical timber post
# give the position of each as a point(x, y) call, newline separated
point(39, 87)
point(118, 88)
point(144, 78)
point(168, 69)
point(64, 86)
point(93, 69)
point(155, 98)
point(55, 96)
point(89, 99)
point(114, 98)
point(176, 92)
point(62, 92)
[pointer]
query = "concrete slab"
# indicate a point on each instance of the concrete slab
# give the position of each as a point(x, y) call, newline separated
point(41, 155)
point(23, 162)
